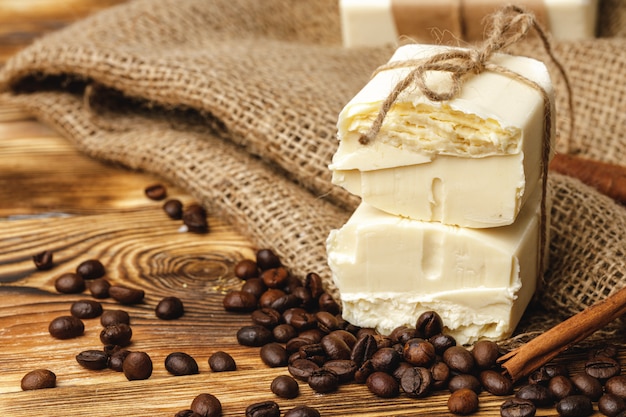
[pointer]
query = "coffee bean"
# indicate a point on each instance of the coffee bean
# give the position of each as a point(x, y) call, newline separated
point(428, 324)
point(561, 386)
point(587, 385)
point(416, 382)
point(116, 334)
point(169, 308)
point(575, 406)
point(239, 301)
point(270, 296)
point(126, 295)
point(284, 332)
point(156, 192)
point(616, 386)
point(221, 361)
point(263, 409)
point(419, 352)
point(267, 259)
point(326, 321)
point(246, 269)
point(441, 374)
point(463, 402)
point(274, 355)
point(611, 405)
point(383, 385)
point(288, 301)
point(304, 295)
point(516, 407)
point(195, 218)
point(441, 342)
point(323, 381)
point(254, 286)
point(38, 379)
point(207, 405)
point(90, 269)
point(400, 370)
point(496, 383)
point(66, 327)
point(335, 347)
point(302, 368)
point(116, 359)
point(285, 386)
point(174, 209)
point(275, 277)
point(402, 334)
point(180, 363)
point(464, 381)
point(69, 283)
point(313, 282)
point(459, 359)
point(99, 288)
point(537, 393)
point(254, 336)
point(385, 359)
point(602, 367)
point(137, 365)
point(344, 368)
point(326, 302)
point(485, 353)
point(546, 372)
point(363, 349)
point(113, 317)
point(187, 413)
point(43, 260)
point(315, 336)
point(86, 309)
point(93, 359)
point(364, 371)
point(302, 411)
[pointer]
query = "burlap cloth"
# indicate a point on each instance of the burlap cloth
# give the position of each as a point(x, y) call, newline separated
point(236, 101)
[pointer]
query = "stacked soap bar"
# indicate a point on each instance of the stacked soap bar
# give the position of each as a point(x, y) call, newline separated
point(380, 22)
point(451, 200)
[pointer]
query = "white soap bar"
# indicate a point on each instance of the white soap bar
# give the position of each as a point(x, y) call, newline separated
point(471, 161)
point(371, 22)
point(389, 270)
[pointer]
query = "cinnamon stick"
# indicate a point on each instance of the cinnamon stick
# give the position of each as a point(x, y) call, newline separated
point(527, 358)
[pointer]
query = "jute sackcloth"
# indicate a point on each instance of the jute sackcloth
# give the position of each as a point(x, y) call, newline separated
point(237, 101)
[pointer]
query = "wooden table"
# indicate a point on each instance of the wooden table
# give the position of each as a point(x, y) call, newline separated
point(54, 198)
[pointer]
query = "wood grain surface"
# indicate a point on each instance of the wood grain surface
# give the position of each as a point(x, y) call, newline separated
point(54, 198)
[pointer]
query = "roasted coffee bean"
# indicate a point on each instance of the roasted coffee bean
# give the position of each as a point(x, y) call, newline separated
point(69, 283)
point(516, 407)
point(326, 302)
point(116, 334)
point(575, 406)
point(255, 287)
point(602, 367)
point(156, 192)
point(99, 288)
point(302, 411)
point(274, 355)
point(587, 385)
point(267, 259)
point(616, 386)
point(285, 386)
point(402, 334)
point(485, 353)
point(416, 382)
point(66, 327)
point(239, 301)
point(173, 208)
point(459, 359)
point(294, 345)
point(327, 322)
point(246, 269)
point(38, 379)
point(546, 372)
point(346, 336)
point(116, 359)
point(302, 368)
point(383, 385)
point(137, 365)
point(263, 409)
point(419, 352)
point(335, 347)
point(496, 383)
point(537, 393)
point(180, 363)
point(284, 332)
point(364, 371)
point(304, 295)
point(441, 342)
point(428, 324)
point(266, 317)
point(187, 413)
point(288, 301)
point(221, 361)
point(441, 375)
point(275, 277)
point(400, 369)
point(43, 260)
point(611, 405)
point(561, 386)
point(463, 402)
point(270, 296)
point(313, 335)
point(126, 295)
point(314, 284)
point(169, 308)
point(113, 317)
point(207, 405)
point(385, 360)
point(323, 381)
point(93, 359)
point(254, 336)
point(363, 349)
point(195, 218)
point(312, 351)
point(90, 269)
point(461, 381)
point(344, 368)
point(86, 309)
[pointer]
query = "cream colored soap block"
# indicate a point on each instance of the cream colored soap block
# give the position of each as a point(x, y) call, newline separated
point(471, 161)
point(372, 23)
point(389, 270)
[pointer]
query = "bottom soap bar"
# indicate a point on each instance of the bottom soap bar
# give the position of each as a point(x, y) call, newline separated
point(390, 269)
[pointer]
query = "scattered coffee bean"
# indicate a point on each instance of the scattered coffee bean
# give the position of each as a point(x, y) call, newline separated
point(221, 361)
point(246, 269)
point(169, 308)
point(239, 301)
point(156, 192)
point(38, 379)
point(274, 355)
point(441, 375)
point(180, 363)
point(602, 367)
point(116, 334)
point(611, 405)
point(463, 402)
point(66, 327)
point(267, 259)
point(195, 218)
point(616, 386)
point(285, 386)
point(516, 407)
point(254, 336)
point(44, 260)
point(263, 409)
point(587, 385)
point(137, 365)
point(113, 317)
point(266, 317)
point(275, 277)
point(441, 342)
point(284, 332)
point(116, 359)
point(546, 372)
point(326, 302)
point(386, 359)
point(561, 386)
point(302, 368)
point(174, 209)
point(344, 368)
point(459, 359)
point(485, 353)
point(537, 393)
point(86, 309)
point(335, 347)
point(416, 382)
point(255, 287)
point(126, 295)
point(383, 385)
point(90, 269)
point(323, 381)
point(495, 382)
point(207, 405)
point(575, 406)
point(93, 359)
point(187, 413)
point(302, 411)
point(428, 324)
point(419, 352)
point(69, 283)
point(99, 288)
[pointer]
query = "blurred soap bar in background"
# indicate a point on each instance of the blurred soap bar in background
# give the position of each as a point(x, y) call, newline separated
point(383, 22)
